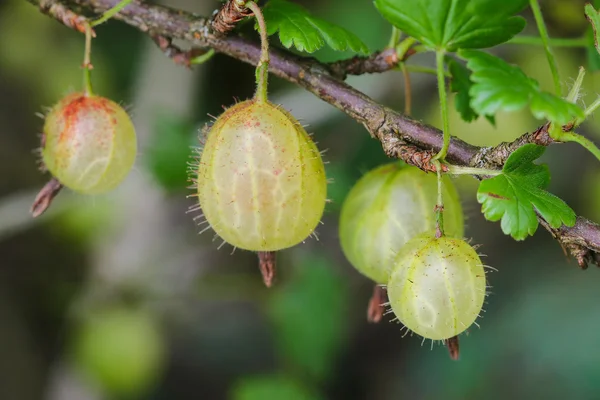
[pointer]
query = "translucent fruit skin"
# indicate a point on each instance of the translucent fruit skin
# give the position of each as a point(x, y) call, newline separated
point(261, 180)
point(385, 209)
point(90, 143)
point(438, 286)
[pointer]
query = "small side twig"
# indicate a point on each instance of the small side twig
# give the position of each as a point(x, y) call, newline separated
point(178, 55)
point(267, 263)
point(413, 155)
point(380, 61)
point(64, 15)
point(45, 196)
point(228, 16)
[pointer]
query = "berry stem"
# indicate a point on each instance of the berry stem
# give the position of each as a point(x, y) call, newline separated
point(441, 74)
point(541, 25)
point(407, 89)
point(439, 207)
point(262, 70)
point(87, 64)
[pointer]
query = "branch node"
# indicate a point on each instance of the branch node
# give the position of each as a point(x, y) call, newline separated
point(228, 16)
point(64, 15)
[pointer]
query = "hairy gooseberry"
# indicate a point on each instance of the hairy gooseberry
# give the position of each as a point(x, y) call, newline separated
point(385, 209)
point(437, 287)
point(261, 180)
point(89, 143)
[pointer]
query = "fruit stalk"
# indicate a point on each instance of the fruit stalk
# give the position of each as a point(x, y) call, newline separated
point(262, 70)
point(87, 64)
point(439, 207)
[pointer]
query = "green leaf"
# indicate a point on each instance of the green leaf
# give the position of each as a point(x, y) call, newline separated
point(593, 17)
point(454, 24)
point(271, 387)
point(169, 151)
point(306, 32)
point(309, 317)
point(461, 84)
point(593, 49)
point(516, 195)
point(498, 85)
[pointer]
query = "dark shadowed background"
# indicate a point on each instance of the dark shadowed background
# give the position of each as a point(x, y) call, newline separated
point(118, 297)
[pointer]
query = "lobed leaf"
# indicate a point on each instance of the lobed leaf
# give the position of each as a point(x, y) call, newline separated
point(518, 193)
point(298, 28)
point(454, 24)
point(461, 85)
point(498, 85)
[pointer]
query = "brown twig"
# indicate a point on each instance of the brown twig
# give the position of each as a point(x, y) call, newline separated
point(393, 129)
point(45, 196)
point(380, 61)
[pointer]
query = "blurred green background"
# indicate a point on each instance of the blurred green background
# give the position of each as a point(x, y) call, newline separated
point(118, 297)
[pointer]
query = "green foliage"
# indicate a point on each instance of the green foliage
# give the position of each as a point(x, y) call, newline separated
point(461, 84)
point(308, 314)
point(593, 17)
point(454, 24)
point(516, 195)
point(271, 388)
point(298, 28)
point(169, 150)
point(498, 85)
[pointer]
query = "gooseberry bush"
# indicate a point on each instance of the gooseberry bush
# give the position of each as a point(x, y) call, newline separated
point(259, 177)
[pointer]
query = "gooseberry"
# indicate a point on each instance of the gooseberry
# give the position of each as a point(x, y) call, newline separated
point(89, 143)
point(261, 179)
point(437, 287)
point(385, 209)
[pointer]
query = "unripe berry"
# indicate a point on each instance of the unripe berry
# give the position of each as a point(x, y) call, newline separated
point(89, 143)
point(437, 287)
point(385, 209)
point(261, 180)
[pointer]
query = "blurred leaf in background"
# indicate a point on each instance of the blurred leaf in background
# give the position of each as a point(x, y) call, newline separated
point(271, 388)
point(309, 316)
point(171, 150)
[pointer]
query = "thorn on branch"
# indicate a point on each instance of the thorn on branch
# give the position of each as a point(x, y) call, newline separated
point(266, 263)
point(377, 62)
point(179, 56)
point(45, 196)
point(228, 16)
point(413, 155)
point(64, 15)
